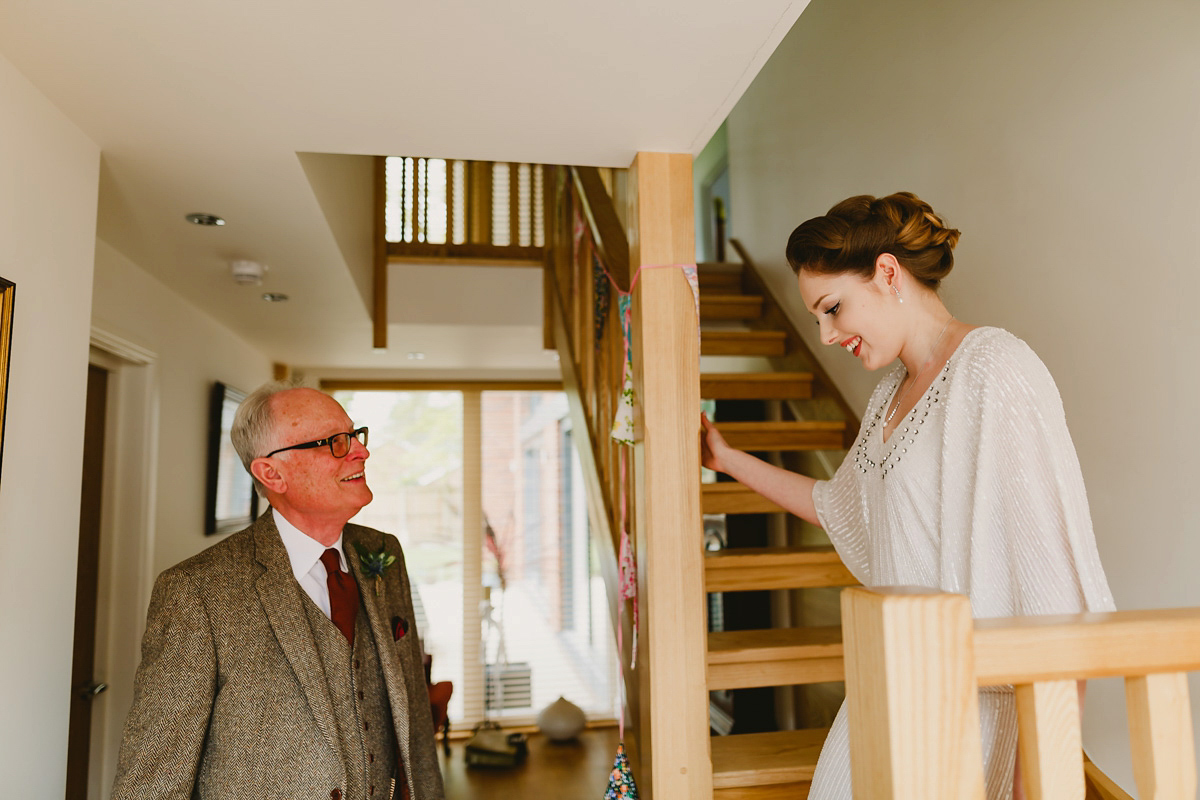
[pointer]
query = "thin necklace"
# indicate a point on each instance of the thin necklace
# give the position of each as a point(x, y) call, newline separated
point(917, 377)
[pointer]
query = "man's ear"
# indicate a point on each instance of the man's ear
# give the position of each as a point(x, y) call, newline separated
point(264, 470)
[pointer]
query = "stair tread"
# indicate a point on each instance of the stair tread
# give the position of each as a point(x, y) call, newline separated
point(784, 426)
point(749, 335)
point(729, 305)
point(759, 759)
point(756, 385)
point(785, 435)
point(730, 497)
point(772, 644)
point(800, 554)
point(755, 377)
point(729, 297)
point(740, 342)
point(749, 569)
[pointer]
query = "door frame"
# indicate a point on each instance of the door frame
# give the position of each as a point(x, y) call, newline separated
point(127, 532)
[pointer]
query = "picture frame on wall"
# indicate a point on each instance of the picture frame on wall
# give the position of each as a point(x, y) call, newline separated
point(231, 502)
point(8, 291)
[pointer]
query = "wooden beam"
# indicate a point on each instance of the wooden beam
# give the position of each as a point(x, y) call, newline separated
point(549, 232)
point(1028, 649)
point(479, 197)
point(359, 385)
point(484, 253)
point(910, 694)
point(671, 657)
point(1160, 732)
point(1050, 743)
point(379, 284)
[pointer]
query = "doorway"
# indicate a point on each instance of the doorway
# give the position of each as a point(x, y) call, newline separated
point(85, 687)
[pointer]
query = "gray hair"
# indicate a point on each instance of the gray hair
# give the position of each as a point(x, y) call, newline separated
point(254, 425)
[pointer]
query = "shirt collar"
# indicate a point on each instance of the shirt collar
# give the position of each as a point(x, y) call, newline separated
point(303, 550)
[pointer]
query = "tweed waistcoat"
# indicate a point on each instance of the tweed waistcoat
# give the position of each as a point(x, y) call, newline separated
point(360, 704)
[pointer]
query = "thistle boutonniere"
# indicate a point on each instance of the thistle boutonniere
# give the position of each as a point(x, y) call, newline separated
point(375, 564)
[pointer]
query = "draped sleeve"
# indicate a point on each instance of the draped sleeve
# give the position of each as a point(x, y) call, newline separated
point(1016, 532)
point(841, 503)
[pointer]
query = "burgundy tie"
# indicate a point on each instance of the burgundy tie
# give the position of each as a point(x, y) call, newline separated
point(343, 594)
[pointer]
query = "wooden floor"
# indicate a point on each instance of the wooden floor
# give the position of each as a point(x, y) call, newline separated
point(575, 769)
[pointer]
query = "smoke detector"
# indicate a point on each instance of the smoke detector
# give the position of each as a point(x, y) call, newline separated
point(247, 273)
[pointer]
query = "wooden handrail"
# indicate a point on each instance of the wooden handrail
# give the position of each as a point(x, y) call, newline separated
point(607, 225)
point(913, 660)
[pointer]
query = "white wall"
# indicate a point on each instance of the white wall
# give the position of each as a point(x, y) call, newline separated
point(47, 226)
point(1061, 137)
point(193, 350)
point(190, 350)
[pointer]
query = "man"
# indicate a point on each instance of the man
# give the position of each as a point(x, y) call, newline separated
point(268, 670)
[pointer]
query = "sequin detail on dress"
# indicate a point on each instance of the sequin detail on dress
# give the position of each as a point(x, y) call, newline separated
point(904, 434)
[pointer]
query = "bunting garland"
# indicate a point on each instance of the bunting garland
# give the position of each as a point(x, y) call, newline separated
point(621, 784)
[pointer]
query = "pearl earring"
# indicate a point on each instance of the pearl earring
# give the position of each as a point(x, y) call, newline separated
point(897, 291)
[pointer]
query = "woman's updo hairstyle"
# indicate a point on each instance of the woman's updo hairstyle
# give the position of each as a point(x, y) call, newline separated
point(857, 231)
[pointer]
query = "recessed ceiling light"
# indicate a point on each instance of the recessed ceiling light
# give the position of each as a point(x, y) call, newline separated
point(416, 356)
point(205, 219)
point(274, 297)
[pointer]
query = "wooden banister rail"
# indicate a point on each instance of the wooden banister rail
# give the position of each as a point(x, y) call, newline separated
point(599, 208)
point(914, 659)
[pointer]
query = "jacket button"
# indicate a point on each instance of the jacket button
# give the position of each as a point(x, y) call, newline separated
point(336, 794)
point(366, 725)
point(370, 758)
point(360, 694)
point(371, 790)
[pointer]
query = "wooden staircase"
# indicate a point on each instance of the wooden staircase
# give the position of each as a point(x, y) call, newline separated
point(740, 318)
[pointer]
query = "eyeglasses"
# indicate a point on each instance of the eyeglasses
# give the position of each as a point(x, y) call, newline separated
point(339, 443)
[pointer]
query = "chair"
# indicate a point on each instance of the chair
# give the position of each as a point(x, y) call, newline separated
point(439, 703)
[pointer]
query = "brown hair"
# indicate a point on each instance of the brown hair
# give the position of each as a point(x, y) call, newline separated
point(858, 230)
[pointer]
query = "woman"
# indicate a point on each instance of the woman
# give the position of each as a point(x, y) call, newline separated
point(963, 476)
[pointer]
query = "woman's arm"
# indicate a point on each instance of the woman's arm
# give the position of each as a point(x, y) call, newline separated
point(791, 490)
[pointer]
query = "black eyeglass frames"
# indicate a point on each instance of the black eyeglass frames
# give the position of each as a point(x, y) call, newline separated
point(339, 443)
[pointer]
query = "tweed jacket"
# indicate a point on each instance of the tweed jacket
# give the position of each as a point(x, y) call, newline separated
point(231, 699)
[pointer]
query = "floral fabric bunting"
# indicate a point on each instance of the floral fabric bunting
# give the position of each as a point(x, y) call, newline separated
point(621, 785)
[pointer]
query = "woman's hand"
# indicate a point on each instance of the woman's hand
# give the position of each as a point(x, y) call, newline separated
point(792, 491)
point(712, 445)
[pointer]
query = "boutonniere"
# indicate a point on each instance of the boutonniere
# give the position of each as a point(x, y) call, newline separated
point(374, 564)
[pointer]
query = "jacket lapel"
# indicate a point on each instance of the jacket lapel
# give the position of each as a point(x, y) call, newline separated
point(280, 596)
point(377, 615)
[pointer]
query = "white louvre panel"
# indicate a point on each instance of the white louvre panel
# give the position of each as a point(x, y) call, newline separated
point(508, 687)
point(460, 202)
point(428, 201)
point(500, 217)
point(393, 204)
point(539, 226)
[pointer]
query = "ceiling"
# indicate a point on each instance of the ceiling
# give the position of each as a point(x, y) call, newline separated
point(265, 113)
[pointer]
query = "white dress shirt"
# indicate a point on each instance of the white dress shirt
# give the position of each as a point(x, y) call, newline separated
point(305, 554)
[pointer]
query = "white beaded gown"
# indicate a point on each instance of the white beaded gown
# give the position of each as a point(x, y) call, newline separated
point(977, 491)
